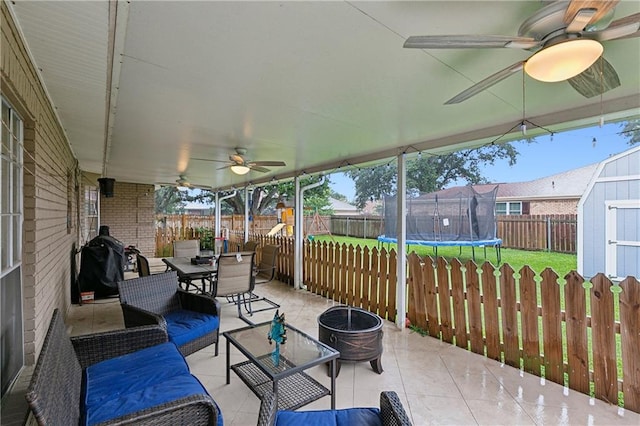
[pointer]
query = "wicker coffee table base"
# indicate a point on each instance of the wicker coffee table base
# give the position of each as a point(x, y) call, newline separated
point(293, 391)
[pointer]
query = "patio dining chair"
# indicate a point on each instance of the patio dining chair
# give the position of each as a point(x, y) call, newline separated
point(264, 272)
point(251, 246)
point(186, 248)
point(142, 265)
point(190, 249)
point(234, 277)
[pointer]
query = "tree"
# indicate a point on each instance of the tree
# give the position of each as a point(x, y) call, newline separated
point(264, 198)
point(338, 196)
point(631, 130)
point(169, 200)
point(429, 173)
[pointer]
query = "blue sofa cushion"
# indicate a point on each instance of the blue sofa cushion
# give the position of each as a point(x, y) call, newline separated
point(184, 326)
point(343, 417)
point(133, 372)
point(137, 381)
point(121, 404)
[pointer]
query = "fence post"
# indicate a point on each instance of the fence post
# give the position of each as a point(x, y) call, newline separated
point(548, 233)
point(347, 226)
point(364, 228)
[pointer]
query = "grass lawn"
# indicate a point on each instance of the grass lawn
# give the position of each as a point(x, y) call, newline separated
point(561, 263)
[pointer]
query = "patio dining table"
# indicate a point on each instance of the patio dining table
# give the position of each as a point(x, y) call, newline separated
point(188, 272)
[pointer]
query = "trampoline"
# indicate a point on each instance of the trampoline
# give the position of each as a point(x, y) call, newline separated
point(496, 243)
point(455, 217)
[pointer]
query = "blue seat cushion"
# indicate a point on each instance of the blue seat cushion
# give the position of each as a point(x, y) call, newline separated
point(343, 417)
point(137, 381)
point(161, 392)
point(133, 372)
point(185, 326)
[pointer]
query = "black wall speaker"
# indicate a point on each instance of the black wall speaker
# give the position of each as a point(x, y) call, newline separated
point(106, 186)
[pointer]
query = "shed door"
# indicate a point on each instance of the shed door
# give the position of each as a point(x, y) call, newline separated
point(622, 239)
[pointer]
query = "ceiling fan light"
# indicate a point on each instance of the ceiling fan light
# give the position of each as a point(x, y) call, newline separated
point(240, 169)
point(563, 60)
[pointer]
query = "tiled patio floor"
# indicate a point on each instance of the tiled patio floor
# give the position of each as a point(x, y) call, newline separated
point(438, 383)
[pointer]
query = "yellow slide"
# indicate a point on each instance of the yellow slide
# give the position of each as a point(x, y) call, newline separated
point(276, 229)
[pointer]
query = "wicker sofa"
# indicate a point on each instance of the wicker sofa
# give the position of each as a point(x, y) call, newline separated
point(132, 376)
point(390, 413)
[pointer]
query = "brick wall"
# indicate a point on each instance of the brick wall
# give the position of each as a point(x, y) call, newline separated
point(50, 179)
point(569, 206)
point(130, 215)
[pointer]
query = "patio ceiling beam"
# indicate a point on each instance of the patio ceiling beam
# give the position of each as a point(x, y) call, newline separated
point(577, 117)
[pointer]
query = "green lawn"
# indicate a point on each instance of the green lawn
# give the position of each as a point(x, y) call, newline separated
point(561, 263)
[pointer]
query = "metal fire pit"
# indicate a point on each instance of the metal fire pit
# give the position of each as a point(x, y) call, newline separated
point(354, 332)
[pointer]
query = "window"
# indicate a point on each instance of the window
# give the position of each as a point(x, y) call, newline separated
point(509, 208)
point(90, 212)
point(11, 245)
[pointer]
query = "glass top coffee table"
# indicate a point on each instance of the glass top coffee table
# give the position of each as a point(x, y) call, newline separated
point(293, 388)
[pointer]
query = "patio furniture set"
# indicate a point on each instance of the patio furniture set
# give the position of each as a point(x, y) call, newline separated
point(139, 375)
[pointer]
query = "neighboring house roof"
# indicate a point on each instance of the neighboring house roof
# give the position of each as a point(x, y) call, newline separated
point(342, 208)
point(569, 184)
point(196, 205)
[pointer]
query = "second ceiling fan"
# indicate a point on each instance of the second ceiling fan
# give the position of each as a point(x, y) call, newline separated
point(241, 166)
point(565, 37)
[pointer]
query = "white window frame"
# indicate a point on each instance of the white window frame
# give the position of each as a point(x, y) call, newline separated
point(512, 208)
point(12, 212)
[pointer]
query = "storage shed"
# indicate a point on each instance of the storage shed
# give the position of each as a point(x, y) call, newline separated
point(609, 219)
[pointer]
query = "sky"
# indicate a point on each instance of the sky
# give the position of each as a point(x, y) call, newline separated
point(547, 156)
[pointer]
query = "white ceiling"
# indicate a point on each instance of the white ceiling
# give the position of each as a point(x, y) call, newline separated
point(317, 84)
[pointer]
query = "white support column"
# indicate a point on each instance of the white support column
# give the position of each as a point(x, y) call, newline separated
point(216, 227)
point(247, 194)
point(298, 279)
point(401, 233)
point(298, 233)
point(219, 212)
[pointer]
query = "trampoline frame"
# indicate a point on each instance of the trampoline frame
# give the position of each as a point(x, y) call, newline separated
point(496, 243)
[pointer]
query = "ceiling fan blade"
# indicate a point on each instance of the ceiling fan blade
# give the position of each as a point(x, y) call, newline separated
point(626, 27)
point(598, 78)
point(209, 159)
point(602, 7)
point(225, 167)
point(486, 83)
point(267, 163)
point(468, 41)
point(258, 168)
point(581, 20)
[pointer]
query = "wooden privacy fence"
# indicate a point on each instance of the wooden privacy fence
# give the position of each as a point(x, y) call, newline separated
point(365, 278)
point(357, 226)
point(357, 276)
point(556, 233)
point(550, 330)
point(529, 232)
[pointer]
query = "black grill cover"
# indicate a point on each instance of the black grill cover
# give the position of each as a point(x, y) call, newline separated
point(102, 266)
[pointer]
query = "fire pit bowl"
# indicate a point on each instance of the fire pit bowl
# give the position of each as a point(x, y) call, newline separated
point(354, 332)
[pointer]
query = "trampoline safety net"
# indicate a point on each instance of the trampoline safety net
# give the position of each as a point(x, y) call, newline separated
point(456, 214)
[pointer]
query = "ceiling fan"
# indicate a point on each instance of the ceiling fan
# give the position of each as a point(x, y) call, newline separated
point(181, 181)
point(565, 37)
point(241, 166)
